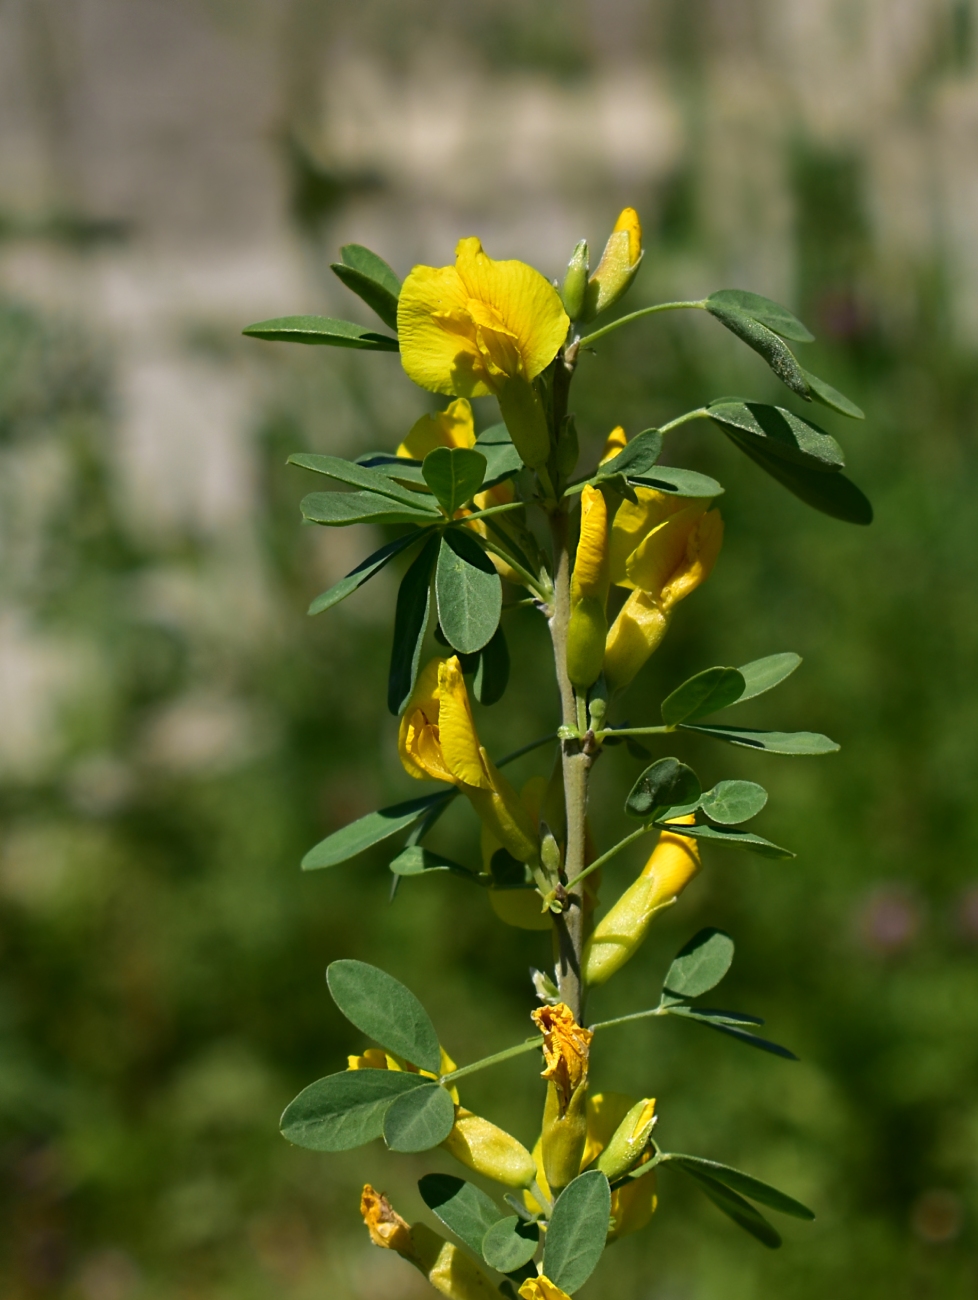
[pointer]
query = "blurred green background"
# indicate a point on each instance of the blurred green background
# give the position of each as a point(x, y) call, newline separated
point(174, 733)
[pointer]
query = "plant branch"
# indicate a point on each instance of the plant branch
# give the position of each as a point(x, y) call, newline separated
point(606, 857)
point(635, 315)
point(497, 1057)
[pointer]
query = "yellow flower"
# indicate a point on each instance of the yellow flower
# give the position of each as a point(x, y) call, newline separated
point(633, 1204)
point(453, 427)
point(629, 1141)
point(541, 1288)
point(616, 441)
point(437, 738)
point(482, 327)
point(588, 625)
point(518, 907)
point(450, 1271)
point(375, 1058)
point(674, 862)
point(618, 267)
point(566, 1047)
point(489, 1150)
point(662, 548)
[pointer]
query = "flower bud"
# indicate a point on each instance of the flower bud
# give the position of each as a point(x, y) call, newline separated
point(524, 417)
point(489, 1150)
point(673, 864)
point(629, 1140)
point(618, 267)
point(575, 281)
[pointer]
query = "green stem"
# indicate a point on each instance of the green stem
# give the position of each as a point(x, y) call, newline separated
point(635, 315)
point(624, 1020)
point(514, 564)
point(526, 749)
point(701, 413)
point(497, 1057)
point(633, 731)
point(492, 510)
point(606, 857)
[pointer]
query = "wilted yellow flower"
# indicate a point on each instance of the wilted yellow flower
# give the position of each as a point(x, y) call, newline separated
point(437, 738)
point(673, 863)
point(385, 1225)
point(588, 626)
point(618, 267)
point(541, 1288)
point(662, 547)
point(449, 1270)
point(482, 327)
point(566, 1046)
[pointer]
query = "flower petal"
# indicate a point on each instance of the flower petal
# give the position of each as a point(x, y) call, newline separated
point(459, 742)
point(452, 427)
point(437, 335)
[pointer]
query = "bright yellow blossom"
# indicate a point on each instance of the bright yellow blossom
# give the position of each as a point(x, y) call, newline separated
point(618, 267)
point(674, 862)
point(588, 625)
point(616, 441)
point(482, 327)
point(541, 1288)
point(452, 427)
point(662, 547)
point(437, 738)
point(450, 1271)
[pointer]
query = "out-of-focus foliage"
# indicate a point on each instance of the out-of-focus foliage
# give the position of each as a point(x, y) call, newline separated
point(161, 994)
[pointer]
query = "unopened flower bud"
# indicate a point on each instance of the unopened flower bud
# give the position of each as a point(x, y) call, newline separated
point(587, 629)
point(622, 930)
point(629, 1140)
point(575, 281)
point(550, 856)
point(489, 1150)
point(618, 267)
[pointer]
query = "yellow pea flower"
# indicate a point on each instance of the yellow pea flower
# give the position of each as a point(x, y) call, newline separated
point(453, 427)
point(452, 1272)
point(674, 862)
point(588, 626)
point(437, 738)
point(631, 1205)
point(616, 441)
point(566, 1048)
point(518, 907)
point(662, 548)
point(482, 327)
point(618, 267)
point(489, 1150)
point(541, 1288)
point(375, 1058)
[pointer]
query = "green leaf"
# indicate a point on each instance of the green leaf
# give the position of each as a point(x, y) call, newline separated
point(469, 593)
point(722, 1025)
point(769, 313)
point(401, 468)
point(502, 458)
point(323, 330)
point(666, 784)
point(338, 509)
point(827, 491)
point(733, 802)
point(732, 838)
point(735, 1207)
point(371, 279)
point(707, 692)
point(831, 397)
point(778, 431)
point(372, 264)
point(386, 1011)
point(410, 623)
point(773, 742)
point(344, 1110)
point(416, 861)
point(454, 475)
point(461, 1207)
point(699, 965)
point(372, 829)
point(765, 342)
point(492, 669)
point(635, 458)
point(364, 571)
point(745, 1184)
point(420, 1119)
point(677, 482)
point(764, 674)
point(577, 1231)
point(510, 1243)
point(362, 476)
